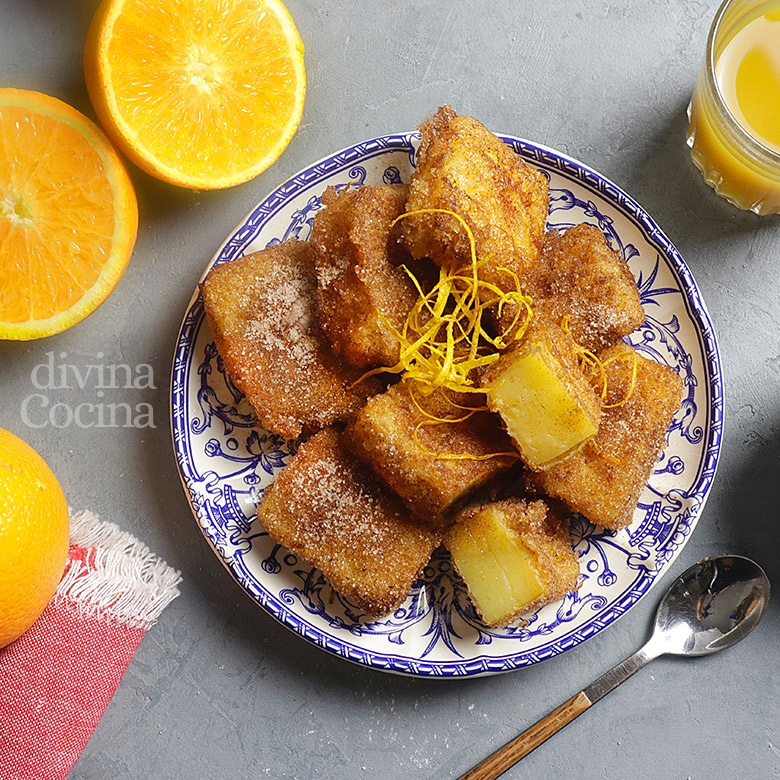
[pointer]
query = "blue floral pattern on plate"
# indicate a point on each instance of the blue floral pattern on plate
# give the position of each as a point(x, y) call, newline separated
point(226, 461)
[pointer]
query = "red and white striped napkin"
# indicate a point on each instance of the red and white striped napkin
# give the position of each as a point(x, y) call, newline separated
point(57, 679)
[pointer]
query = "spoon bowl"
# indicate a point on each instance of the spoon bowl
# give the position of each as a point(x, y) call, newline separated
point(712, 605)
point(709, 607)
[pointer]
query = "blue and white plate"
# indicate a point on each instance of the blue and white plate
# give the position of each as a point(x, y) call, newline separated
point(226, 461)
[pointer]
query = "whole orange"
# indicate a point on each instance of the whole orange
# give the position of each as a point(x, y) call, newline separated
point(33, 536)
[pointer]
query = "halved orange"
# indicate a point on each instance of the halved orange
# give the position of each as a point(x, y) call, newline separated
point(68, 215)
point(204, 94)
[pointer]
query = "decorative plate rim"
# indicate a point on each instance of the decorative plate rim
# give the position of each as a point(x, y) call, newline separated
point(477, 664)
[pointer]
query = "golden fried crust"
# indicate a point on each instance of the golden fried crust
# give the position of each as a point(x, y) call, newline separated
point(580, 276)
point(556, 560)
point(546, 535)
point(261, 311)
point(330, 509)
point(463, 167)
point(361, 291)
point(604, 479)
point(383, 433)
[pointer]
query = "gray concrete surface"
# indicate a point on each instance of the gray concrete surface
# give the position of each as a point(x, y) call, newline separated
point(218, 689)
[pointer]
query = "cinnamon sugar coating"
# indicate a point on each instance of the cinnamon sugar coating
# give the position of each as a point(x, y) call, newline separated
point(262, 313)
point(463, 167)
point(362, 293)
point(383, 431)
point(604, 479)
point(329, 508)
point(580, 276)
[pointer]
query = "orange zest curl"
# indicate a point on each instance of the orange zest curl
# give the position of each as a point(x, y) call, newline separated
point(444, 339)
point(462, 413)
point(596, 370)
point(634, 367)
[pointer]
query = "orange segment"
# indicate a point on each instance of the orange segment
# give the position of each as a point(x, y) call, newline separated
point(68, 215)
point(204, 94)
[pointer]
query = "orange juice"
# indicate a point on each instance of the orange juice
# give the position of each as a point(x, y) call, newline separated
point(734, 130)
point(748, 74)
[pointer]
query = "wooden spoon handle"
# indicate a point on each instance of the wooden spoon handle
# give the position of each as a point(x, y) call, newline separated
point(508, 755)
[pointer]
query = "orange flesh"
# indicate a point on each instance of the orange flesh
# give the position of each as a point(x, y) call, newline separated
point(56, 216)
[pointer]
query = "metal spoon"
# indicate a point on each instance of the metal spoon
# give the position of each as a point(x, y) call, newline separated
point(711, 606)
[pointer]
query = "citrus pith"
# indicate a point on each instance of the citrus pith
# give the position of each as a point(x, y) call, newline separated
point(203, 94)
point(34, 530)
point(68, 215)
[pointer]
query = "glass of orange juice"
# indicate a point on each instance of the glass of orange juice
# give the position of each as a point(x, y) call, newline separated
point(734, 114)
